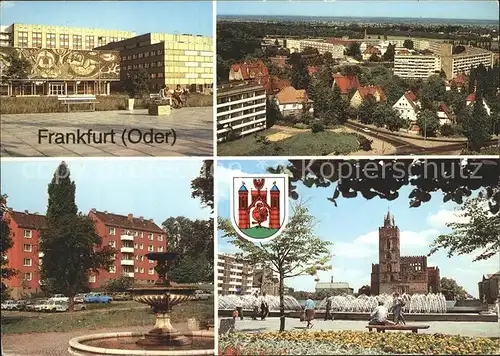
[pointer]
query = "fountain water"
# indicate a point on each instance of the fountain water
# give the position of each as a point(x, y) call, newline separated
point(229, 302)
point(163, 339)
point(416, 303)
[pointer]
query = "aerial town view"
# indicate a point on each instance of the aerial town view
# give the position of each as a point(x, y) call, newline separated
point(387, 259)
point(334, 78)
point(80, 80)
point(96, 260)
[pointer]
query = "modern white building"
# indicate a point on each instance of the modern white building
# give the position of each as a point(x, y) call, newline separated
point(416, 66)
point(462, 63)
point(337, 51)
point(241, 110)
point(233, 277)
point(5, 36)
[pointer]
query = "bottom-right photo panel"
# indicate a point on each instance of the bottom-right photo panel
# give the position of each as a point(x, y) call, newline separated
point(358, 256)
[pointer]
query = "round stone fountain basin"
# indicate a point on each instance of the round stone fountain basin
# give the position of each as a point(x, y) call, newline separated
point(124, 343)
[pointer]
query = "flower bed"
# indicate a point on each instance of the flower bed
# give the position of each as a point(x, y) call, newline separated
point(353, 342)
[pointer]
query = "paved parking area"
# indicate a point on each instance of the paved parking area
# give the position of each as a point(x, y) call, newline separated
point(108, 133)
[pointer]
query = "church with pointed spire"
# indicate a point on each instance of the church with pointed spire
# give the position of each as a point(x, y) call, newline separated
point(400, 274)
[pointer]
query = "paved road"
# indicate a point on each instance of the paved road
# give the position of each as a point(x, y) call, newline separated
point(27, 135)
point(485, 329)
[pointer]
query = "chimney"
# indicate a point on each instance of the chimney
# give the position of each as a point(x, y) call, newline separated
point(26, 212)
point(130, 217)
point(331, 280)
point(141, 218)
point(94, 210)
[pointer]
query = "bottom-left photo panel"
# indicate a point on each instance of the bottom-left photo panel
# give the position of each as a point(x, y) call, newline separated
point(107, 257)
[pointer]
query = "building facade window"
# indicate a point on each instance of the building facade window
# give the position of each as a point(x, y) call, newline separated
point(22, 39)
point(141, 247)
point(28, 276)
point(112, 243)
point(112, 269)
point(36, 39)
point(92, 279)
point(50, 40)
point(64, 41)
point(160, 237)
point(140, 55)
point(150, 237)
point(89, 42)
point(160, 248)
point(28, 234)
point(101, 41)
point(141, 270)
point(150, 248)
point(77, 42)
point(27, 248)
point(112, 231)
point(113, 39)
point(57, 89)
point(27, 262)
point(136, 269)
point(151, 271)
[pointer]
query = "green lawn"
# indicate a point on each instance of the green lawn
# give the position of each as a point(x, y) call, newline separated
point(259, 232)
point(302, 144)
point(101, 318)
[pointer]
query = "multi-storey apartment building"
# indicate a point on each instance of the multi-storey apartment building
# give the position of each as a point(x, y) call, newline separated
point(132, 238)
point(241, 110)
point(5, 36)
point(416, 66)
point(24, 256)
point(170, 59)
point(461, 63)
point(62, 37)
point(233, 277)
point(337, 51)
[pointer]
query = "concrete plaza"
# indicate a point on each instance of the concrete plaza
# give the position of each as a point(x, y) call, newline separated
point(474, 329)
point(27, 135)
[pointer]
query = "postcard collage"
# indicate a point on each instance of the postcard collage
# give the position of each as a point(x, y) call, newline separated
point(250, 177)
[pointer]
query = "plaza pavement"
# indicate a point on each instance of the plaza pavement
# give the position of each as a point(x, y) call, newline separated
point(474, 329)
point(193, 128)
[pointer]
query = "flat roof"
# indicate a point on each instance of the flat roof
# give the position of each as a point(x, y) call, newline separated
point(238, 87)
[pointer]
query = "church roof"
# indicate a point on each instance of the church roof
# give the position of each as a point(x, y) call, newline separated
point(275, 188)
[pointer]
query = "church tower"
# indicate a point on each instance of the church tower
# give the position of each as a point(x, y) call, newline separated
point(389, 255)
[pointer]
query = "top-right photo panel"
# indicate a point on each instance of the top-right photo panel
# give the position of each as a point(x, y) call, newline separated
point(357, 78)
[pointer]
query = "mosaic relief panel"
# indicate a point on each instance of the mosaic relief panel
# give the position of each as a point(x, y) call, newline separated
point(67, 64)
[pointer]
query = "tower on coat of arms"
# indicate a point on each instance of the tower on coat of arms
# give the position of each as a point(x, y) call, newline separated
point(259, 210)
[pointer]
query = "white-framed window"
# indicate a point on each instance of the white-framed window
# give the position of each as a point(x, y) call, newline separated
point(141, 235)
point(112, 243)
point(136, 233)
point(136, 269)
point(114, 256)
point(28, 234)
point(141, 246)
point(112, 231)
point(150, 236)
point(160, 237)
point(28, 262)
point(92, 279)
point(27, 247)
point(160, 248)
point(136, 246)
point(112, 269)
point(151, 271)
point(142, 258)
point(28, 276)
point(150, 248)
point(141, 270)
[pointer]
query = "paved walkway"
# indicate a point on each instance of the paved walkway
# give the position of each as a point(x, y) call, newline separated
point(485, 329)
point(27, 135)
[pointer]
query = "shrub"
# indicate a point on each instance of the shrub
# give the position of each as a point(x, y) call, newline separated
point(301, 126)
point(447, 130)
point(364, 143)
point(317, 127)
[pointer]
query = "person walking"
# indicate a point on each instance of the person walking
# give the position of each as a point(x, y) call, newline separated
point(264, 306)
point(309, 310)
point(379, 315)
point(255, 307)
point(328, 314)
point(239, 308)
point(398, 310)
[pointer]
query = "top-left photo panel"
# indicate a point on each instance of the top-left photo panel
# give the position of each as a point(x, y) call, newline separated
point(117, 79)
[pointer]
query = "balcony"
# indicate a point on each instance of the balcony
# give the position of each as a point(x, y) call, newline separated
point(128, 274)
point(127, 238)
point(127, 262)
point(127, 249)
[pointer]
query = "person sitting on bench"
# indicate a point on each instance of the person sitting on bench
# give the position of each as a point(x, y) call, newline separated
point(165, 94)
point(178, 95)
point(379, 315)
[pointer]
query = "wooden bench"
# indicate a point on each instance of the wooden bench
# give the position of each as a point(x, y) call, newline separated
point(383, 328)
point(78, 99)
point(155, 98)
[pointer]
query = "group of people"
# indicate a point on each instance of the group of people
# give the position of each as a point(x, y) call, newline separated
point(177, 96)
point(380, 315)
point(260, 308)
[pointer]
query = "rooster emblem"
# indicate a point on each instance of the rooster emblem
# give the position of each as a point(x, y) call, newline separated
point(260, 214)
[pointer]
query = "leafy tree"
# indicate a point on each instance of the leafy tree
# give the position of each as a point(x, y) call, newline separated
point(317, 127)
point(408, 44)
point(366, 110)
point(6, 244)
point(193, 269)
point(328, 58)
point(478, 229)
point(451, 290)
point(300, 75)
point(428, 122)
point(203, 186)
point(447, 130)
point(435, 88)
point(366, 290)
point(297, 251)
point(71, 247)
point(385, 115)
point(386, 177)
point(273, 113)
point(18, 68)
point(137, 83)
point(120, 284)
point(389, 53)
point(477, 126)
point(354, 51)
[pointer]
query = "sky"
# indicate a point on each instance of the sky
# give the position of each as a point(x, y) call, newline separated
point(178, 17)
point(155, 189)
point(453, 9)
point(353, 225)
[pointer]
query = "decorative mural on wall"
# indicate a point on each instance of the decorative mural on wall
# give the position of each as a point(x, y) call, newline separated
point(67, 64)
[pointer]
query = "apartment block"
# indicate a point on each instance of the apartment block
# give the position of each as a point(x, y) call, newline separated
point(24, 256)
point(337, 51)
point(241, 110)
point(170, 59)
point(416, 66)
point(462, 63)
point(132, 238)
point(233, 277)
point(62, 37)
point(5, 36)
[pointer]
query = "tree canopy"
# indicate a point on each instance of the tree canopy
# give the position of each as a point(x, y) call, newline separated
point(451, 290)
point(203, 186)
point(6, 244)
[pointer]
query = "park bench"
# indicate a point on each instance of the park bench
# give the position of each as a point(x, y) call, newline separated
point(156, 98)
point(383, 328)
point(78, 100)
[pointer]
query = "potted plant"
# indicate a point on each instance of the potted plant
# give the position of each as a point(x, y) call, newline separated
point(136, 85)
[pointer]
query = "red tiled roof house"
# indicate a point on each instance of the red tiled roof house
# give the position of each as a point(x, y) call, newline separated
point(362, 93)
point(254, 72)
point(293, 102)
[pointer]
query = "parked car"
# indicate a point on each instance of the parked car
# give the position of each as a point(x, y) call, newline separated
point(80, 298)
point(59, 297)
point(201, 295)
point(98, 298)
point(62, 306)
point(30, 305)
point(41, 305)
point(122, 296)
point(10, 305)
